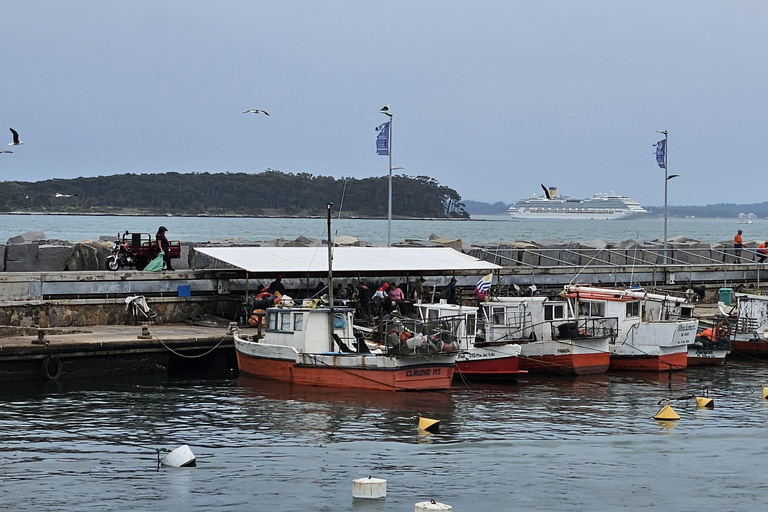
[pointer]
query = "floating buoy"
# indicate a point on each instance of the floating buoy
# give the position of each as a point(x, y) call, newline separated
point(369, 488)
point(429, 425)
point(703, 402)
point(666, 413)
point(431, 505)
point(179, 458)
point(765, 393)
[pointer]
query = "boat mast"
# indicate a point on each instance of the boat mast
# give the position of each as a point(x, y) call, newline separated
point(330, 276)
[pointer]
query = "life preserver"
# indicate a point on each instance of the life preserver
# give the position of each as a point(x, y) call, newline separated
point(722, 330)
point(51, 368)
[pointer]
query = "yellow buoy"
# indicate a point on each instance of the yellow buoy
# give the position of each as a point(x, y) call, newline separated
point(667, 413)
point(703, 402)
point(765, 393)
point(429, 425)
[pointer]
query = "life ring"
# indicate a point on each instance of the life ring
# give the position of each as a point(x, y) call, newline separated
point(722, 330)
point(52, 368)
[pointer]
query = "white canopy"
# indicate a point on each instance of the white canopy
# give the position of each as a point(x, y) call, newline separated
point(370, 260)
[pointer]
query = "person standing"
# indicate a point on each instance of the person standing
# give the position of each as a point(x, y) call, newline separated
point(278, 286)
point(418, 290)
point(164, 246)
point(364, 294)
point(738, 245)
point(450, 292)
point(762, 252)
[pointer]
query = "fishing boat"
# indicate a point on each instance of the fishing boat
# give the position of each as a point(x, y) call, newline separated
point(750, 333)
point(477, 359)
point(601, 206)
point(712, 344)
point(551, 337)
point(315, 344)
point(651, 334)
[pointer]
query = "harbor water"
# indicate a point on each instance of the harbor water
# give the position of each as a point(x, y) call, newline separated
point(479, 230)
point(546, 443)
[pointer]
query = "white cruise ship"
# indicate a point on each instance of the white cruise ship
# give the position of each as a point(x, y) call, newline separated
point(606, 206)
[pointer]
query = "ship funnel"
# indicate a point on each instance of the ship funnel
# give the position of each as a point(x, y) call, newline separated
point(552, 192)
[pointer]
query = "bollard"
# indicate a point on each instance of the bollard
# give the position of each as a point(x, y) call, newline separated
point(369, 488)
point(425, 506)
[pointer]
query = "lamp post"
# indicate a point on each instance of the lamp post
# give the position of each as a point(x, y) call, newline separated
point(386, 112)
point(667, 177)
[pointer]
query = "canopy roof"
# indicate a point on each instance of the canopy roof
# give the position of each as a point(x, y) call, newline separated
point(349, 260)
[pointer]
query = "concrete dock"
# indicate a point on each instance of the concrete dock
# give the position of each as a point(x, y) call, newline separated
point(115, 350)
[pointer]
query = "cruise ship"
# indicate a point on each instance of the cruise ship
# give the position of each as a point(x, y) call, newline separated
point(606, 206)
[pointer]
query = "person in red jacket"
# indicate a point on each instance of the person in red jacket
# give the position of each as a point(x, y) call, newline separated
point(762, 252)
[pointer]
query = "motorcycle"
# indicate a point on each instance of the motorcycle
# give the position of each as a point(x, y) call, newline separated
point(124, 254)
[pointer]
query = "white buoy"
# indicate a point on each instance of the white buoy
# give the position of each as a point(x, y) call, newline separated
point(180, 457)
point(370, 488)
point(431, 505)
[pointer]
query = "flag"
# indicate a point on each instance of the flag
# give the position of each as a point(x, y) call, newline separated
point(484, 284)
point(661, 153)
point(382, 140)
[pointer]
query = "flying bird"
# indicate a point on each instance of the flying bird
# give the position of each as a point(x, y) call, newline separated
point(16, 141)
point(384, 109)
point(256, 111)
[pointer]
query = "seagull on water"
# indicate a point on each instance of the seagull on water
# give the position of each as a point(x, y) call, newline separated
point(256, 111)
point(16, 141)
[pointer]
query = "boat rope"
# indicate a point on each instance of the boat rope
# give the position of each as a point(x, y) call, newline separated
point(175, 352)
point(461, 375)
point(584, 267)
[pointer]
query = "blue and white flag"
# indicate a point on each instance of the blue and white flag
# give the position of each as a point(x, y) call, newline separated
point(484, 284)
point(382, 140)
point(661, 153)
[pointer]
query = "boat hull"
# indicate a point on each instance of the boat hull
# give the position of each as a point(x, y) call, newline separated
point(753, 347)
point(650, 363)
point(497, 363)
point(347, 370)
point(706, 357)
point(587, 356)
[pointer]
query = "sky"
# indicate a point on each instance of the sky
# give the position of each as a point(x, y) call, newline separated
point(491, 98)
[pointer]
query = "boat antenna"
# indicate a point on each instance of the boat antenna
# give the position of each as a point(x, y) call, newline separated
point(330, 273)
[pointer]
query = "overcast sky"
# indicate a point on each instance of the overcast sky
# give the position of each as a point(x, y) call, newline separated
point(491, 98)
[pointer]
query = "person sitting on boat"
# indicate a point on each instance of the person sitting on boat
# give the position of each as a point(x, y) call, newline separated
point(339, 292)
point(738, 245)
point(351, 291)
point(762, 252)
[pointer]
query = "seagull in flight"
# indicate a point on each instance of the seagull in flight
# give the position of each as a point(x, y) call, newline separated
point(16, 141)
point(256, 111)
point(385, 110)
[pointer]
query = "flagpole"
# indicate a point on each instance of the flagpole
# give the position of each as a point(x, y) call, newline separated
point(389, 201)
point(666, 181)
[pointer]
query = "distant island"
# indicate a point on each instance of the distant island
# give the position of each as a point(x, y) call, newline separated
point(269, 193)
point(720, 210)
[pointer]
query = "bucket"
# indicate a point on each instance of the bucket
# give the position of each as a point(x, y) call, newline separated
point(725, 295)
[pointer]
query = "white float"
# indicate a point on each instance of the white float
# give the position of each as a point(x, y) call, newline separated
point(180, 457)
point(425, 506)
point(370, 488)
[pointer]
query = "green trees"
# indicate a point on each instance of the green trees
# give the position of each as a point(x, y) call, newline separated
point(268, 193)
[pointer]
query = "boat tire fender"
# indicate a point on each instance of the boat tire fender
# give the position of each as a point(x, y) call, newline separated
point(52, 368)
point(722, 330)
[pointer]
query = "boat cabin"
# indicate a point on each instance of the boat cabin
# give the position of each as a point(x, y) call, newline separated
point(307, 329)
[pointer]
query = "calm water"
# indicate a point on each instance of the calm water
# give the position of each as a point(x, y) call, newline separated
point(543, 444)
point(482, 230)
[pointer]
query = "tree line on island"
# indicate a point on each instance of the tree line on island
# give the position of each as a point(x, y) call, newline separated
point(270, 193)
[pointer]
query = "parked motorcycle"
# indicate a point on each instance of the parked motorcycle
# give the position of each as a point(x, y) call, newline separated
point(124, 254)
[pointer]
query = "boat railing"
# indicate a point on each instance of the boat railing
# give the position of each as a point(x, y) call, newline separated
point(563, 328)
point(745, 325)
point(410, 336)
point(639, 255)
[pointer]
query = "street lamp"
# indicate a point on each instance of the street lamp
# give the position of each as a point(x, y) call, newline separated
point(386, 112)
point(661, 159)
